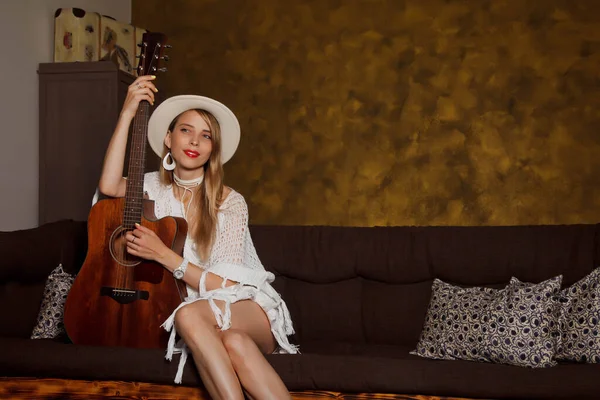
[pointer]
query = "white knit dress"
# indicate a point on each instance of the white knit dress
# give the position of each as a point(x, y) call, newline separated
point(233, 257)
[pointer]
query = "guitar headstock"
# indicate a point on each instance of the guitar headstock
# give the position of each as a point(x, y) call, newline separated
point(152, 53)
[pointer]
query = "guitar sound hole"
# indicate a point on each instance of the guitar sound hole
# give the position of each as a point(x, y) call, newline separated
point(118, 248)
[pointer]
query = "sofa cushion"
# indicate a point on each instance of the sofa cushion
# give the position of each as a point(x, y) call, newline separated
point(49, 358)
point(477, 256)
point(323, 311)
point(19, 321)
point(385, 320)
point(344, 367)
point(50, 323)
point(580, 320)
point(516, 325)
point(353, 372)
point(454, 327)
point(524, 324)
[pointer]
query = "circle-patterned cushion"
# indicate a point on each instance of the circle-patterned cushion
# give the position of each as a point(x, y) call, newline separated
point(580, 321)
point(516, 325)
point(532, 312)
point(453, 326)
point(50, 317)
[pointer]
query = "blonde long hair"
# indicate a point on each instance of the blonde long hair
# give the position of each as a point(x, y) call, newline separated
point(210, 191)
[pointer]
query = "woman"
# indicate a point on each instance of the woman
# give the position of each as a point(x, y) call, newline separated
point(232, 315)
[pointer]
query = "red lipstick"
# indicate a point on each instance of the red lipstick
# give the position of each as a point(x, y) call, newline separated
point(191, 153)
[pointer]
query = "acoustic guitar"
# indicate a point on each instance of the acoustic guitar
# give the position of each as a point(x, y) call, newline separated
point(118, 299)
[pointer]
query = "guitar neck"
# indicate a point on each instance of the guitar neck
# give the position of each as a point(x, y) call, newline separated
point(134, 193)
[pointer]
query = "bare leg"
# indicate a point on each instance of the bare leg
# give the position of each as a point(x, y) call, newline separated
point(197, 326)
point(248, 339)
point(257, 376)
point(226, 358)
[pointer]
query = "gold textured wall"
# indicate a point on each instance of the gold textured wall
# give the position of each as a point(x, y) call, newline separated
point(392, 112)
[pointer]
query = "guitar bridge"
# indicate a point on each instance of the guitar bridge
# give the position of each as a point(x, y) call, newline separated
point(124, 296)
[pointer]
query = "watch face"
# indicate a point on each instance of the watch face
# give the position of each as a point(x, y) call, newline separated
point(178, 274)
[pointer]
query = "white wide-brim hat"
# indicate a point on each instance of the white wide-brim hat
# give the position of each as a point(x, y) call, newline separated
point(165, 113)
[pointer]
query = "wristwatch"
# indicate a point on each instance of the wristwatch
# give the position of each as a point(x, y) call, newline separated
point(180, 271)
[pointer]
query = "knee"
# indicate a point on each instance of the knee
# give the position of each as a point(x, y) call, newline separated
point(238, 344)
point(190, 321)
point(183, 318)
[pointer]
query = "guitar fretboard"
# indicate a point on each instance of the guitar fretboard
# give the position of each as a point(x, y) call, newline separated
point(134, 193)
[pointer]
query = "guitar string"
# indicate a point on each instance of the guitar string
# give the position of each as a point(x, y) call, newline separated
point(132, 179)
point(137, 184)
point(134, 210)
point(138, 167)
point(127, 222)
point(134, 192)
point(134, 195)
point(141, 139)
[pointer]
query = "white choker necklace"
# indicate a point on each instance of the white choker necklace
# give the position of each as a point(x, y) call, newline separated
point(186, 185)
point(188, 182)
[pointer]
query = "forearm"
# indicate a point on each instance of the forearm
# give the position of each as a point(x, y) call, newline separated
point(192, 275)
point(111, 181)
point(112, 169)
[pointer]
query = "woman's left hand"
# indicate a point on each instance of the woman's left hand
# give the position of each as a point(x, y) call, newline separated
point(144, 243)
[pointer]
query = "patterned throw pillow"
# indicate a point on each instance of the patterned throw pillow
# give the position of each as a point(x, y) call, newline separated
point(525, 324)
point(515, 325)
point(50, 317)
point(453, 326)
point(580, 321)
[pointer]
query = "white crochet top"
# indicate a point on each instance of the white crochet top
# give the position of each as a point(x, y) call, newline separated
point(232, 257)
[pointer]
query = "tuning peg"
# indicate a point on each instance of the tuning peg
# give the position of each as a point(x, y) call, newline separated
point(140, 56)
point(166, 58)
point(168, 46)
point(141, 44)
point(163, 69)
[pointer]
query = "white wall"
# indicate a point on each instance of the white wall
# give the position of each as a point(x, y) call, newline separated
point(27, 39)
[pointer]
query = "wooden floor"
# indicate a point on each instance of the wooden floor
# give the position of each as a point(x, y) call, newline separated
point(47, 389)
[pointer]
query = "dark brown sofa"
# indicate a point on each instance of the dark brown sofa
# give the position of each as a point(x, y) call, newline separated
point(358, 298)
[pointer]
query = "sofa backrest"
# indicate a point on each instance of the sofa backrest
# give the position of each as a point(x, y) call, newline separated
point(26, 259)
point(373, 284)
point(340, 283)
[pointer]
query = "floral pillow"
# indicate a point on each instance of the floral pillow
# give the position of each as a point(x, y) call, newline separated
point(50, 317)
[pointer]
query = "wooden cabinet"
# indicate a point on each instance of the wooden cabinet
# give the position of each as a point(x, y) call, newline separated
point(79, 106)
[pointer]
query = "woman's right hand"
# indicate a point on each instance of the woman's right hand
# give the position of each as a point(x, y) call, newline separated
point(141, 89)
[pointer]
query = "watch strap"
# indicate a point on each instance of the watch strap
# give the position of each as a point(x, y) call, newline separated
point(182, 267)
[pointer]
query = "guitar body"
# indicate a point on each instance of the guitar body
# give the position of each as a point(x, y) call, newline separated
point(118, 299)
